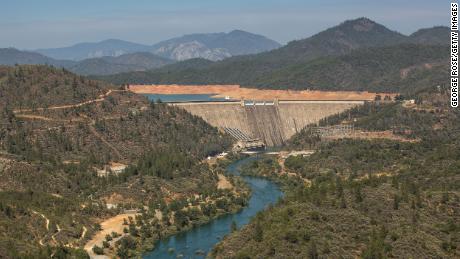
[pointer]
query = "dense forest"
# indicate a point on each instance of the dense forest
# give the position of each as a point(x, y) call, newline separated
point(364, 198)
point(59, 132)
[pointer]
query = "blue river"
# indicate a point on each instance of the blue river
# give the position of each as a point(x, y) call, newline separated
point(199, 241)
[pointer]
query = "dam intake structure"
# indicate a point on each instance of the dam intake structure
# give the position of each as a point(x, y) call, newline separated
point(272, 122)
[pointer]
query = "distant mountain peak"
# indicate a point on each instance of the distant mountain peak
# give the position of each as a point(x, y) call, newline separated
point(362, 20)
point(348, 35)
point(437, 35)
point(214, 46)
point(236, 31)
point(364, 24)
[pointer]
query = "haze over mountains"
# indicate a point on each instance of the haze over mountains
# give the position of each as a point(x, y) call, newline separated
point(228, 50)
point(11, 56)
point(80, 51)
point(107, 65)
point(116, 56)
point(212, 46)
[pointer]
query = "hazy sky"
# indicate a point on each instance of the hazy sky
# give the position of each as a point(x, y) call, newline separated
point(29, 24)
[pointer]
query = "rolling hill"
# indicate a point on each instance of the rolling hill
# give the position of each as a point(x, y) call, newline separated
point(139, 61)
point(401, 68)
point(11, 56)
point(438, 35)
point(80, 51)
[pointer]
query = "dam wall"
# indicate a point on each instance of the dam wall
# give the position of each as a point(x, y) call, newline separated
point(274, 123)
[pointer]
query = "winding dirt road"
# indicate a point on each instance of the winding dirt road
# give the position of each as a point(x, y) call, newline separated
point(114, 224)
point(67, 106)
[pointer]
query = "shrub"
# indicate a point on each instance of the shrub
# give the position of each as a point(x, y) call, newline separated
point(98, 250)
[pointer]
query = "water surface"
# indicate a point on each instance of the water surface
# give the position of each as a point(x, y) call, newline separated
point(167, 98)
point(202, 239)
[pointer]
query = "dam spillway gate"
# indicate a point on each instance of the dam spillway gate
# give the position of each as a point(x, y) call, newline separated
point(272, 122)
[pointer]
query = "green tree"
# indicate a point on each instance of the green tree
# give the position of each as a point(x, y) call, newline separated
point(98, 250)
point(313, 250)
point(258, 232)
point(233, 226)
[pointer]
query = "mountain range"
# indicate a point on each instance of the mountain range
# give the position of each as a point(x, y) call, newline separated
point(115, 56)
point(212, 46)
point(107, 65)
point(80, 51)
point(236, 57)
point(11, 56)
point(311, 56)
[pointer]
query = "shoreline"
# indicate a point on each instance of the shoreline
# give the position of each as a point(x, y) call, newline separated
point(241, 93)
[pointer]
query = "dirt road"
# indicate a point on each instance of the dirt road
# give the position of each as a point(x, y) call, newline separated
point(114, 224)
point(99, 99)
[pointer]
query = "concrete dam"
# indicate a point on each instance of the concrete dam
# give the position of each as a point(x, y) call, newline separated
point(273, 122)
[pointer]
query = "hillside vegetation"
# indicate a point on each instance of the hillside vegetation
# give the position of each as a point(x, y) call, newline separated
point(59, 133)
point(403, 68)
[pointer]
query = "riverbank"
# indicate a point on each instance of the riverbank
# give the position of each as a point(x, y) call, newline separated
point(133, 234)
point(198, 241)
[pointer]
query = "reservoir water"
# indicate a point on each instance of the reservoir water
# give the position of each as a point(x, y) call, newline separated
point(167, 98)
point(203, 238)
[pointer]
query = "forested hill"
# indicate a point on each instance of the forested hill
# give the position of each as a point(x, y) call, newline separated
point(401, 68)
point(29, 86)
point(33, 97)
point(304, 57)
point(59, 132)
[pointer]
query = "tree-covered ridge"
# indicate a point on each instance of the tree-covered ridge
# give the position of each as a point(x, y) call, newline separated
point(401, 68)
point(365, 198)
point(30, 86)
point(53, 153)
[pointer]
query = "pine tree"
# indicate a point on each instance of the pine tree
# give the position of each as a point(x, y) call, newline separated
point(258, 232)
point(233, 226)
